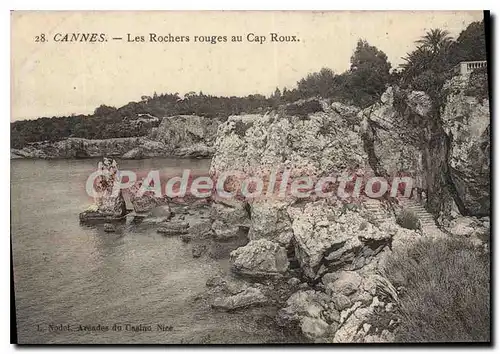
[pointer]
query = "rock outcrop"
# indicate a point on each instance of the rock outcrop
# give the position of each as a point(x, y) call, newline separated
point(446, 151)
point(316, 145)
point(337, 245)
point(466, 122)
point(329, 237)
point(109, 203)
point(260, 258)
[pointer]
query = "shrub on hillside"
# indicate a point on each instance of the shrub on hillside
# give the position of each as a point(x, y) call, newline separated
point(408, 219)
point(304, 108)
point(445, 291)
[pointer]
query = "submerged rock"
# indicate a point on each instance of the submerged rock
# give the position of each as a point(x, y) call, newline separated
point(246, 298)
point(174, 228)
point(109, 227)
point(198, 250)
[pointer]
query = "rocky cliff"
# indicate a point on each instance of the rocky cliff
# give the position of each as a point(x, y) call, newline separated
point(336, 247)
point(177, 136)
point(446, 149)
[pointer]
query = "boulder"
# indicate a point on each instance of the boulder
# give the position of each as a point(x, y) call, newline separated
point(330, 237)
point(228, 216)
point(259, 258)
point(462, 226)
point(314, 328)
point(303, 303)
point(344, 282)
point(312, 311)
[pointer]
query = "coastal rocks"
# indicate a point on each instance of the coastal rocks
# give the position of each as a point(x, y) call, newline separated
point(342, 313)
point(390, 142)
point(312, 311)
point(78, 148)
point(449, 158)
point(259, 258)
point(110, 208)
point(147, 149)
point(258, 144)
point(229, 216)
point(344, 282)
point(328, 237)
point(109, 203)
point(250, 296)
point(470, 227)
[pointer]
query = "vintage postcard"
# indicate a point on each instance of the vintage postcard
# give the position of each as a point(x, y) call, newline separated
point(250, 177)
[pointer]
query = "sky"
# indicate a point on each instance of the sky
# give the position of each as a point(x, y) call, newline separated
point(54, 78)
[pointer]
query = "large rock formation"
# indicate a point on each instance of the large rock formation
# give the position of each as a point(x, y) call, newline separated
point(108, 201)
point(338, 245)
point(329, 238)
point(447, 151)
point(390, 141)
point(319, 144)
point(466, 122)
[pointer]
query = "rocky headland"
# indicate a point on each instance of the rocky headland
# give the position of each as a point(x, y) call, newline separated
point(182, 136)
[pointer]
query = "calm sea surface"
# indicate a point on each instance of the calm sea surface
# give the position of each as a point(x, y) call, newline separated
point(69, 274)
